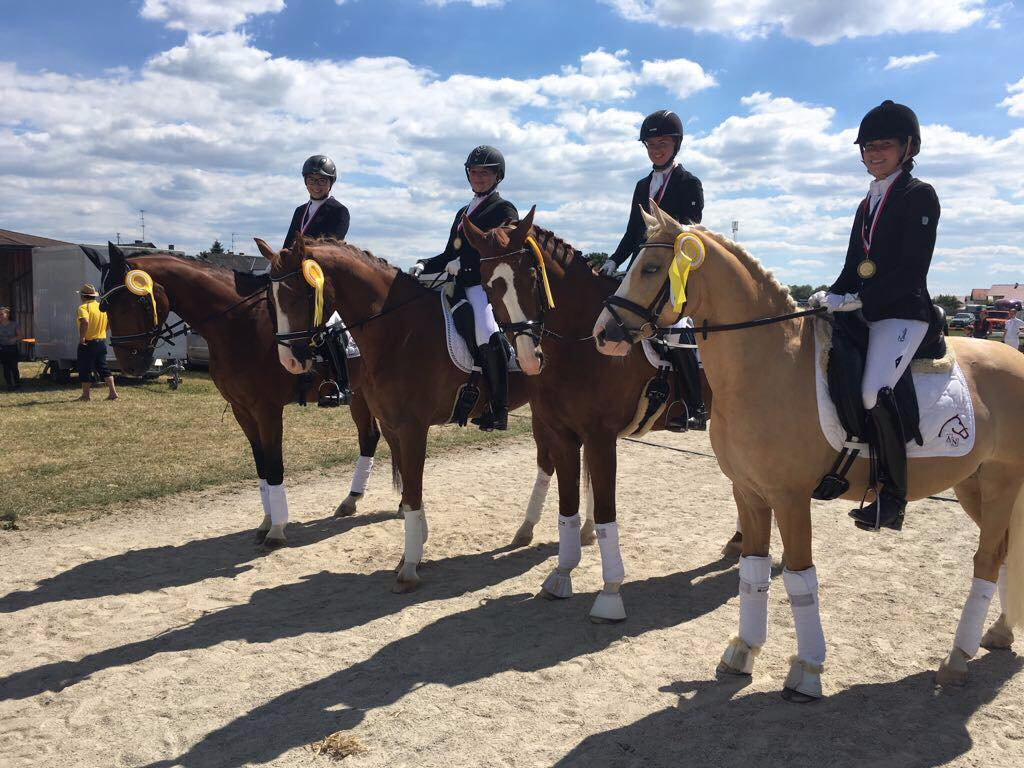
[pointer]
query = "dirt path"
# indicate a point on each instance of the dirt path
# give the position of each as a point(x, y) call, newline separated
point(161, 637)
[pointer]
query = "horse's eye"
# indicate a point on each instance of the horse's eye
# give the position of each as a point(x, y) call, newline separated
point(650, 269)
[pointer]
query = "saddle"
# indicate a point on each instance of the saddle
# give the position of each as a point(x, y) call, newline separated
point(846, 361)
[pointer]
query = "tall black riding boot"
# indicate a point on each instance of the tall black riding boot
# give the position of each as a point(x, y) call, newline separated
point(688, 377)
point(891, 444)
point(495, 365)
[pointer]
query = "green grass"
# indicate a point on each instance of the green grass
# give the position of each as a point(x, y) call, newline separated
point(60, 456)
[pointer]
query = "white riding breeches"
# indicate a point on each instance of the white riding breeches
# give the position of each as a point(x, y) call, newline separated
point(892, 344)
point(483, 316)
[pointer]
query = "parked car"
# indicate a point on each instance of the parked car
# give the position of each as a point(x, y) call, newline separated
point(198, 354)
point(997, 319)
point(961, 320)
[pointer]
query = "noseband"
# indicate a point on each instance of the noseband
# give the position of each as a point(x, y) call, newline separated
point(648, 314)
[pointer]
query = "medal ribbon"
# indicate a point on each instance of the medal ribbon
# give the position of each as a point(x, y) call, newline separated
point(866, 236)
point(664, 184)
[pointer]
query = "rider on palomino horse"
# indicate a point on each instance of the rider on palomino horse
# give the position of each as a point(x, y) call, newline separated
point(679, 193)
point(321, 215)
point(885, 276)
point(485, 168)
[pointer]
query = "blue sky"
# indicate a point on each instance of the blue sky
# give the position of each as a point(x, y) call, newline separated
point(200, 112)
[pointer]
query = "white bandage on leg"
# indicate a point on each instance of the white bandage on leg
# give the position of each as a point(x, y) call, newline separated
point(968, 631)
point(569, 550)
point(278, 501)
point(361, 476)
point(265, 501)
point(415, 534)
point(1001, 584)
point(802, 588)
point(612, 568)
point(540, 493)
point(755, 579)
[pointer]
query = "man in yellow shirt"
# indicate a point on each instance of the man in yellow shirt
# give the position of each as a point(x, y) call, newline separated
point(92, 343)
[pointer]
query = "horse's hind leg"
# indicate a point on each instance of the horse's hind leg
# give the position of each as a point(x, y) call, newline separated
point(412, 446)
point(369, 435)
point(270, 425)
point(998, 489)
point(565, 450)
point(545, 469)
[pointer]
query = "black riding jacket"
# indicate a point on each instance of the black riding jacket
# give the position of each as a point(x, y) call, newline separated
point(683, 201)
point(491, 213)
point(901, 251)
point(330, 220)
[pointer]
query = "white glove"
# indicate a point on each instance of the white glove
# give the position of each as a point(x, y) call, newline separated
point(817, 299)
point(609, 267)
point(452, 267)
point(836, 302)
point(416, 269)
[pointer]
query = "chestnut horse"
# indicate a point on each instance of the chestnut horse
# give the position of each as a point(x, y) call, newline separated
point(580, 399)
point(765, 432)
point(409, 380)
point(230, 310)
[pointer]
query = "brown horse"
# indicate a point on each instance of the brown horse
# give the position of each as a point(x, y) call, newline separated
point(580, 399)
point(765, 432)
point(230, 310)
point(409, 380)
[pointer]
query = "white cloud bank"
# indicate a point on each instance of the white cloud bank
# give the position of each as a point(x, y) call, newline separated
point(906, 62)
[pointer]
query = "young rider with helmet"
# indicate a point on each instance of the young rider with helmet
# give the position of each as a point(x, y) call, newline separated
point(885, 275)
point(485, 168)
point(321, 215)
point(679, 193)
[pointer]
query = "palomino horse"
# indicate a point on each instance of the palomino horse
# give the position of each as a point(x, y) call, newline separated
point(409, 380)
point(230, 310)
point(765, 432)
point(581, 398)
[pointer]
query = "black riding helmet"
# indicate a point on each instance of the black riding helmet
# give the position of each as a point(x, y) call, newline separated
point(890, 120)
point(664, 122)
point(322, 165)
point(489, 157)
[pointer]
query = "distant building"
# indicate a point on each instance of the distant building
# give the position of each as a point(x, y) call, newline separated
point(1009, 291)
point(16, 275)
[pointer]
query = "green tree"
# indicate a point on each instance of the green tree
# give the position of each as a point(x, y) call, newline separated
point(596, 258)
point(216, 247)
point(949, 303)
point(800, 292)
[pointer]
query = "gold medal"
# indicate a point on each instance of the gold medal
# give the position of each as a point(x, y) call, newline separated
point(457, 242)
point(866, 269)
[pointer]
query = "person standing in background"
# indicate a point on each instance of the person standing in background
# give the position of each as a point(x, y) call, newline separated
point(980, 328)
point(92, 343)
point(9, 339)
point(1011, 335)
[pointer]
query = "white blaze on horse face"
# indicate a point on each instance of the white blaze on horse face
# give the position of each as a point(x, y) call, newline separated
point(284, 353)
point(526, 350)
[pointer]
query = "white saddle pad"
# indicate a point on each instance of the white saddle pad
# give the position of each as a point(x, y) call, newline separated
point(654, 356)
point(458, 349)
point(947, 413)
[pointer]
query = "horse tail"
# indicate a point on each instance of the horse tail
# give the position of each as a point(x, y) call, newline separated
point(1014, 607)
point(396, 474)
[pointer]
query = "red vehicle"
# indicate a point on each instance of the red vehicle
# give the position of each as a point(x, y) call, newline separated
point(997, 319)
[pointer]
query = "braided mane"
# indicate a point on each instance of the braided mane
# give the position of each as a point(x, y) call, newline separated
point(561, 252)
point(378, 263)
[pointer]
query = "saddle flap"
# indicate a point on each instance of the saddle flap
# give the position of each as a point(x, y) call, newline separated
point(934, 345)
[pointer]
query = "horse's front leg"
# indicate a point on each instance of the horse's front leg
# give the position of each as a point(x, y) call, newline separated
point(599, 454)
point(369, 435)
point(755, 580)
point(271, 428)
point(803, 683)
point(565, 451)
point(412, 443)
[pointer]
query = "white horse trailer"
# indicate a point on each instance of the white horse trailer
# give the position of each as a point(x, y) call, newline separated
point(58, 273)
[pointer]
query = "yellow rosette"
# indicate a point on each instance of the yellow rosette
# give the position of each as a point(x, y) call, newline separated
point(141, 284)
point(313, 274)
point(687, 254)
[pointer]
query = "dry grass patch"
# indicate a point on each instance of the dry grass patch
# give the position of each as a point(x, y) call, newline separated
point(338, 745)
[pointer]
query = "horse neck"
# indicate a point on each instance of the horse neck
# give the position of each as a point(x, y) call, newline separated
point(194, 293)
point(578, 296)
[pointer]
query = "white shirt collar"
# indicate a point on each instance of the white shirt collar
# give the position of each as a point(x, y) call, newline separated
point(477, 199)
point(660, 178)
point(879, 186)
point(314, 205)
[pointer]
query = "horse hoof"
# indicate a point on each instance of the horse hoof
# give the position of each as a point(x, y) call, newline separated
point(608, 608)
point(999, 636)
point(803, 683)
point(347, 506)
point(795, 697)
point(404, 586)
point(738, 658)
point(261, 535)
point(734, 547)
point(953, 669)
point(588, 533)
point(270, 544)
point(557, 586)
point(523, 537)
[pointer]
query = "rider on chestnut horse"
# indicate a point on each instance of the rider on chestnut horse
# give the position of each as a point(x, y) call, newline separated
point(485, 168)
point(680, 194)
point(321, 215)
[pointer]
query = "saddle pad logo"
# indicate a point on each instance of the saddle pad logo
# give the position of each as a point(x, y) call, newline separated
point(953, 431)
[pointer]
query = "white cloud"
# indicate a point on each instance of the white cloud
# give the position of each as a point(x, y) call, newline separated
point(906, 62)
point(679, 76)
point(1014, 103)
point(207, 15)
point(816, 22)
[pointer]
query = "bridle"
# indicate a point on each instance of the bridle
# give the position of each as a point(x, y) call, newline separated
point(533, 329)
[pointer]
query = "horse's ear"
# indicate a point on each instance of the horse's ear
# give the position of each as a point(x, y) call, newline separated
point(268, 253)
point(649, 220)
point(473, 233)
point(658, 213)
point(298, 248)
point(523, 229)
point(115, 255)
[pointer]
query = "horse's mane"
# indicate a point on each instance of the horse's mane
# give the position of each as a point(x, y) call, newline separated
point(757, 270)
point(561, 252)
point(377, 262)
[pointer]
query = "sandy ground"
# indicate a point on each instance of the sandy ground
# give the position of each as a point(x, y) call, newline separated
point(163, 637)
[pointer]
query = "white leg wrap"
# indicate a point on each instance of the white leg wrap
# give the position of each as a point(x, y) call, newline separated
point(540, 493)
point(968, 632)
point(802, 588)
point(569, 551)
point(278, 502)
point(1001, 584)
point(755, 579)
point(589, 494)
point(361, 476)
point(611, 557)
point(415, 534)
point(265, 501)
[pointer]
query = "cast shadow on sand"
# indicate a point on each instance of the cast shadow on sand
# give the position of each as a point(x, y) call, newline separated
point(515, 632)
point(154, 568)
point(906, 723)
point(320, 602)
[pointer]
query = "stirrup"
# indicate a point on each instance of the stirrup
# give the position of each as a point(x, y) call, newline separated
point(870, 518)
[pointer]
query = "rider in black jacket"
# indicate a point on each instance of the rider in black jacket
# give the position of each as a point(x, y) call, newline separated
point(679, 193)
point(885, 275)
point(321, 215)
point(485, 168)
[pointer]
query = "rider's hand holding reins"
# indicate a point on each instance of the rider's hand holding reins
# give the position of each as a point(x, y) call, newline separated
point(836, 302)
point(416, 269)
point(452, 267)
point(609, 268)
